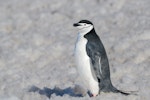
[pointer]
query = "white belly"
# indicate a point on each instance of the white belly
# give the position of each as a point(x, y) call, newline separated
point(83, 66)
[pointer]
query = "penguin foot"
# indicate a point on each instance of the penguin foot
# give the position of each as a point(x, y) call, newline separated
point(93, 95)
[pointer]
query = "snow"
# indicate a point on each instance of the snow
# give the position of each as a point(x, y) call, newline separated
point(37, 41)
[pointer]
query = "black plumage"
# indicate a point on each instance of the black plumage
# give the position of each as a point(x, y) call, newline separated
point(99, 61)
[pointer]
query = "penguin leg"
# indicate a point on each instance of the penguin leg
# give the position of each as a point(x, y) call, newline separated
point(92, 95)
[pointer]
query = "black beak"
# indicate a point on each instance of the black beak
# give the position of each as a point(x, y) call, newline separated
point(76, 24)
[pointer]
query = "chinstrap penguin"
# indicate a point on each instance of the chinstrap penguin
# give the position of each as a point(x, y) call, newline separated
point(91, 59)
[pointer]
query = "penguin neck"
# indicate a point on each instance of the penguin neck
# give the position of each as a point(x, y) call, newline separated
point(84, 31)
point(91, 34)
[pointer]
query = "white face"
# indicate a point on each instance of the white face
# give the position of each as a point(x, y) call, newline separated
point(84, 27)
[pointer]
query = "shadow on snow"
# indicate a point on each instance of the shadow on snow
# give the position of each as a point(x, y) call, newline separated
point(59, 92)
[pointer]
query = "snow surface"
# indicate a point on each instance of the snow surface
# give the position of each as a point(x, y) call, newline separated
point(37, 42)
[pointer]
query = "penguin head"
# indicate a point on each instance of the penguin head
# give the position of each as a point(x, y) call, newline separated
point(84, 26)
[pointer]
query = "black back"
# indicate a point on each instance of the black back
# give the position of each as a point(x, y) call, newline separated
point(96, 51)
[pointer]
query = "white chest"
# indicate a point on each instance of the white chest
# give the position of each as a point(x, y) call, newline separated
point(84, 66)
point(80, 47)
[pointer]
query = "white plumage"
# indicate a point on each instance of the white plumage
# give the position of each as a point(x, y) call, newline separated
point(84, 65)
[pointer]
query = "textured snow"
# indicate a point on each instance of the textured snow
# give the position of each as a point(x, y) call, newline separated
point(37, 42)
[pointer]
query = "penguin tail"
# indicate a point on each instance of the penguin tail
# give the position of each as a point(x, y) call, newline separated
point(124, 93)
point(110, 88)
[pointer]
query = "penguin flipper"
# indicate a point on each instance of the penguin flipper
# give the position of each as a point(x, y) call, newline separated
point(95, 58)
